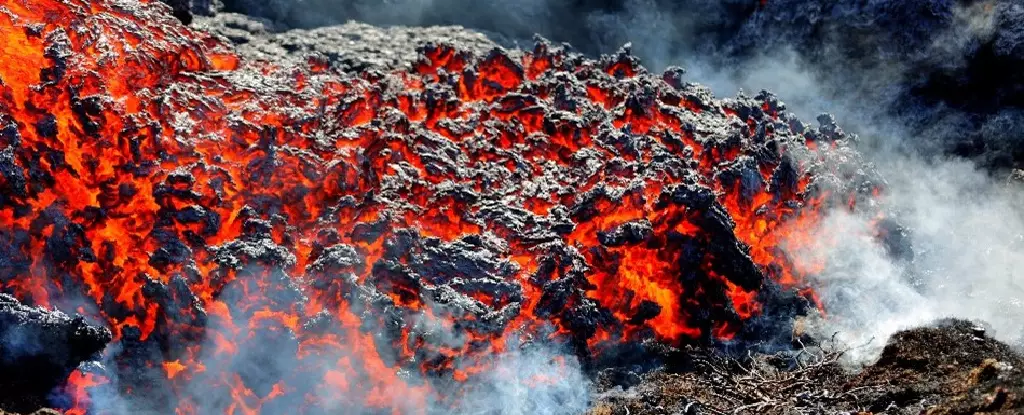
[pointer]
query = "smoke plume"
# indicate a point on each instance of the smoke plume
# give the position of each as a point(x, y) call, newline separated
point(966, 232)
point(536, 380)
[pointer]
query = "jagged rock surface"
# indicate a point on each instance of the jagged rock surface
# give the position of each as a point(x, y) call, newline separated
point(950, 71)
point(38, 350)
point(350, 47)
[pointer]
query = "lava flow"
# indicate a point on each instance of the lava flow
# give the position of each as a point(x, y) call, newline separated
point(268, 239)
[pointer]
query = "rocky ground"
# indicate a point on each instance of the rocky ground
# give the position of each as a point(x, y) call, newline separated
point(41, 347)
point(947, 73)
point(946, 369)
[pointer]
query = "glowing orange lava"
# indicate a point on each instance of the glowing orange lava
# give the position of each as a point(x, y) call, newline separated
point(206, 207)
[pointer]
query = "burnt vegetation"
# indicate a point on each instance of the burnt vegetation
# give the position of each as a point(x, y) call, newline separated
point(951, 368)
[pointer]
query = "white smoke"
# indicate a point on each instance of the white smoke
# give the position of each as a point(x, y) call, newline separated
point(538, 380)
point(966, 225)
point(967, 232)
point(530, 378)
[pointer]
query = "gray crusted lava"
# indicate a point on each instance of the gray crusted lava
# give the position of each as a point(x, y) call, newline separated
point(261, 235)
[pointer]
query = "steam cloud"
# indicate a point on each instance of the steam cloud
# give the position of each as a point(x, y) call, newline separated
point(533, 378)
point(539, 380)
point(966, 231)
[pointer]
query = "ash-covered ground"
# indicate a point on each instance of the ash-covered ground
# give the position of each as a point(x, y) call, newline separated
point(352, 46)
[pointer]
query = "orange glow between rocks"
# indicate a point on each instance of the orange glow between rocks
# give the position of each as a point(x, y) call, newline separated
point(147, 132)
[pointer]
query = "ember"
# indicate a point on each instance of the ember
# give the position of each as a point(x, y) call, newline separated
point(390, 234)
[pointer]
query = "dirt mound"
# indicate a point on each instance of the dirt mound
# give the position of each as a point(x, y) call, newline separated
point(951, 368)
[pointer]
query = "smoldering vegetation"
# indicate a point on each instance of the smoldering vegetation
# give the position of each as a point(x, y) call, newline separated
point(949, 368)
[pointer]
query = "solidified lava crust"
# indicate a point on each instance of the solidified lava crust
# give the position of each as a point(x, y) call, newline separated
point(39, 349)
point(262, 237)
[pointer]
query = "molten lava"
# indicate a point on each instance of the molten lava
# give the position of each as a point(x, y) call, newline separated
point(388, 234)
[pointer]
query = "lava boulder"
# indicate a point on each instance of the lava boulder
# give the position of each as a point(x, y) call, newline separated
point(39, 349)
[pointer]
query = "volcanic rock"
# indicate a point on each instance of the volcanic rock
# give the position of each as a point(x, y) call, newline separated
point(181, 9)
point(38, 350)
point(186, 10)
point(39, 412)
point(949, 71)
point(351, 47)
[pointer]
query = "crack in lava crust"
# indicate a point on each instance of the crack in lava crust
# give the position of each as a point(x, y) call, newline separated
point(389, 233)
